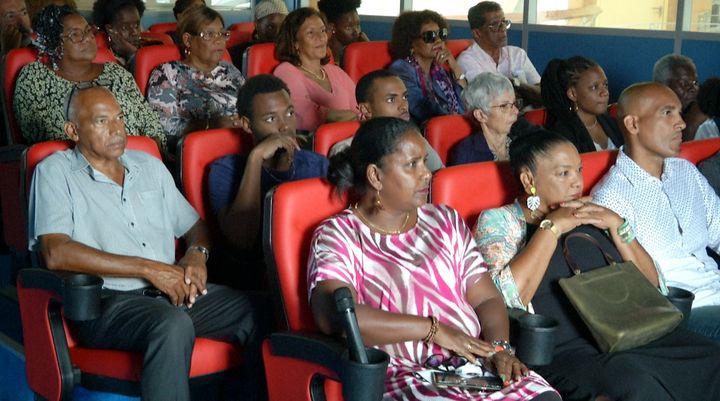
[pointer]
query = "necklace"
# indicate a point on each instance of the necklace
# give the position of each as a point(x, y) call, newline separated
point(496, 150)
point(590, 127)
point(367, 222)
point(319, 77)
point(279, 180)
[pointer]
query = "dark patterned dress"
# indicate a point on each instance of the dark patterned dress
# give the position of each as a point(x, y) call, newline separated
point(41, 95)
point(181, 94)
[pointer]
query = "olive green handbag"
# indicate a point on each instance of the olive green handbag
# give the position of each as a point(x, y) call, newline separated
point(617, 303)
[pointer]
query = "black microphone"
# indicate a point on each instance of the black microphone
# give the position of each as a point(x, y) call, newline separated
point(346, 307)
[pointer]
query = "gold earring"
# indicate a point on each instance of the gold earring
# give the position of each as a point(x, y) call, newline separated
point(378, 201)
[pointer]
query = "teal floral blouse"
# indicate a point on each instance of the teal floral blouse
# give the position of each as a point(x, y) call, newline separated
point(501, 233)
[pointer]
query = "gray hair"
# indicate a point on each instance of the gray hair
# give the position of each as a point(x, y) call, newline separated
point(482, 89)
point(662, 72)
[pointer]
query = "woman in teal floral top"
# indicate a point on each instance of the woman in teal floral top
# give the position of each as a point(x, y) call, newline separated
point(66, 40)
point(199, 92)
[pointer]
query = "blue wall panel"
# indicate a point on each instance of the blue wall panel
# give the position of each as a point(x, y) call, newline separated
point(626, 60)
point(706, 55)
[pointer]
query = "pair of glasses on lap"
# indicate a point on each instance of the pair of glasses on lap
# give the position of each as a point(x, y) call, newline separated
point(455, 364)
point(432, 36)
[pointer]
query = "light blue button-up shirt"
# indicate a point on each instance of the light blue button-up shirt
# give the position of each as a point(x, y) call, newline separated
point(140, 218)
point(675, 218)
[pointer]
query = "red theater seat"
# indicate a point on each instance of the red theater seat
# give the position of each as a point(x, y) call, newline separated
point(240, 32)
point(444, 132)
point(457, 46)
point(197, 150)
point(54, 361)
point(163, 27)
point(149, 57)
point(536, 117)
point(160, 37)
point(299, 366)
point(259, 59)
point(363, 57)
point(697, 151)
point(329, 134)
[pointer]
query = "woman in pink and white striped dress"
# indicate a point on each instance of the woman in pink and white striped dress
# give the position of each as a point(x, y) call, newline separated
point(419, 282)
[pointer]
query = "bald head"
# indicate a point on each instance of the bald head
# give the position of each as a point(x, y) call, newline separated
point(81, 99)
point(635, 95)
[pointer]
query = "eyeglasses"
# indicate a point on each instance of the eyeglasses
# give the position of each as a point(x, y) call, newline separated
point(495, 26)
point(432, 36)
point(77, 35)
point(82, 86)
point(686, 83)
point(440, 362)
point(506, 107)
point(210, 36)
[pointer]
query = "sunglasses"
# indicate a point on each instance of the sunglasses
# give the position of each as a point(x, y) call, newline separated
point(432, 36)
point(82, 86)
point(440, 362)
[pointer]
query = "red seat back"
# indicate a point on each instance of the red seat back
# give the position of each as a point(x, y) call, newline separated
point(260, 59)
point(697, 151)
point(444, 132)
point(157, 37)
point(163, 27)
point(612, 110)
point(329, 134)
point(536, 117)
point(15, 60)
point(457, 46)
point(197, 151)
point(363, 57)
point(240, 32)
point(293, 211)
point(149, 57)
point(595, 165)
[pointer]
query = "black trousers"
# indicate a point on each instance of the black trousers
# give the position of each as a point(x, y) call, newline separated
point(165, 334)
point(681, 366)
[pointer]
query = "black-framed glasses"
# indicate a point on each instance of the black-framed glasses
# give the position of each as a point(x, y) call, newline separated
point(507, 106)
point(78, 35)
point(432, 36)
point(441, 362)
point(210, 36)
point(82, 86)
point(495, 26)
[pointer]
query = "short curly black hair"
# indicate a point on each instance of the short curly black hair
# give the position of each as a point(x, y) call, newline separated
point(48, 25)
point(334, 9)
point(104, 11)
point(257, 85)
point(407, 28)
point(708, 97)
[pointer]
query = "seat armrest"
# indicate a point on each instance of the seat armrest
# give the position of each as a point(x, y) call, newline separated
point(360, 382)
point(11, 153)
point(79, 292)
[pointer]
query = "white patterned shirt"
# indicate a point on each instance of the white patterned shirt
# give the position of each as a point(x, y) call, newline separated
point(675, 218)
point(514, 63)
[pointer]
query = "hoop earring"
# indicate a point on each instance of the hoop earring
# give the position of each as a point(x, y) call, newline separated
point(378, 201)
point(533, 201)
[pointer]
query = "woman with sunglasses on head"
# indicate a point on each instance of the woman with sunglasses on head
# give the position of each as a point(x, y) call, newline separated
point(66, 44)
point(575, 94)
point(321, 91)
point(490, 100)
point(420, 53)
point(418, 280)
point(200, 91)
point(522, 243)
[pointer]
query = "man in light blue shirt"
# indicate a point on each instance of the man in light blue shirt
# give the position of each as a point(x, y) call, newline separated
point(102, 210)
point(669, 204)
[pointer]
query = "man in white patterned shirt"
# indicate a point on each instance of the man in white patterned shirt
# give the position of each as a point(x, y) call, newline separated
point(668, 203)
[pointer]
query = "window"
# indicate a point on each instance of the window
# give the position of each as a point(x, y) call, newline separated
point(167, 4)
point(390, 8)
point(624, 14)
point(458, 9)
point(704, 16)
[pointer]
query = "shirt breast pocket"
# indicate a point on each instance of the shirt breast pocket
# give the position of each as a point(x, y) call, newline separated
point(151, 209)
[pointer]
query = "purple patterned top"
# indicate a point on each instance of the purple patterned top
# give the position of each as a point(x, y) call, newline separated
point(424, 271)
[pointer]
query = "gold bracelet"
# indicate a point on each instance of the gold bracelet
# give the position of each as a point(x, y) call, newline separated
point(433, 330)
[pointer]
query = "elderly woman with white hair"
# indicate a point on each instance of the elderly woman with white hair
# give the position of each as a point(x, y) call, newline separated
point(490, 101)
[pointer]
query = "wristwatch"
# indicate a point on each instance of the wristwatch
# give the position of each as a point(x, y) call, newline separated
point(201, 249)
point(549, 225)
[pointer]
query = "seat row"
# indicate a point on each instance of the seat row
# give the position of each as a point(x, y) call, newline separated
point(292, 211)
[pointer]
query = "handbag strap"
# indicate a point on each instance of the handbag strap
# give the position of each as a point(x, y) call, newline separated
point(581, 235)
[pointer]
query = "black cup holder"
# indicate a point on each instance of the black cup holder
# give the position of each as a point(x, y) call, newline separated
point(81, 294)
point(681, 299)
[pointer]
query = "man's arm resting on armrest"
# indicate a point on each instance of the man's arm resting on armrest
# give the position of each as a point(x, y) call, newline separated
point(63, 253)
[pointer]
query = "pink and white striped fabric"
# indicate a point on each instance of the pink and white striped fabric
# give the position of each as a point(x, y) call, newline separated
point(423, 272)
